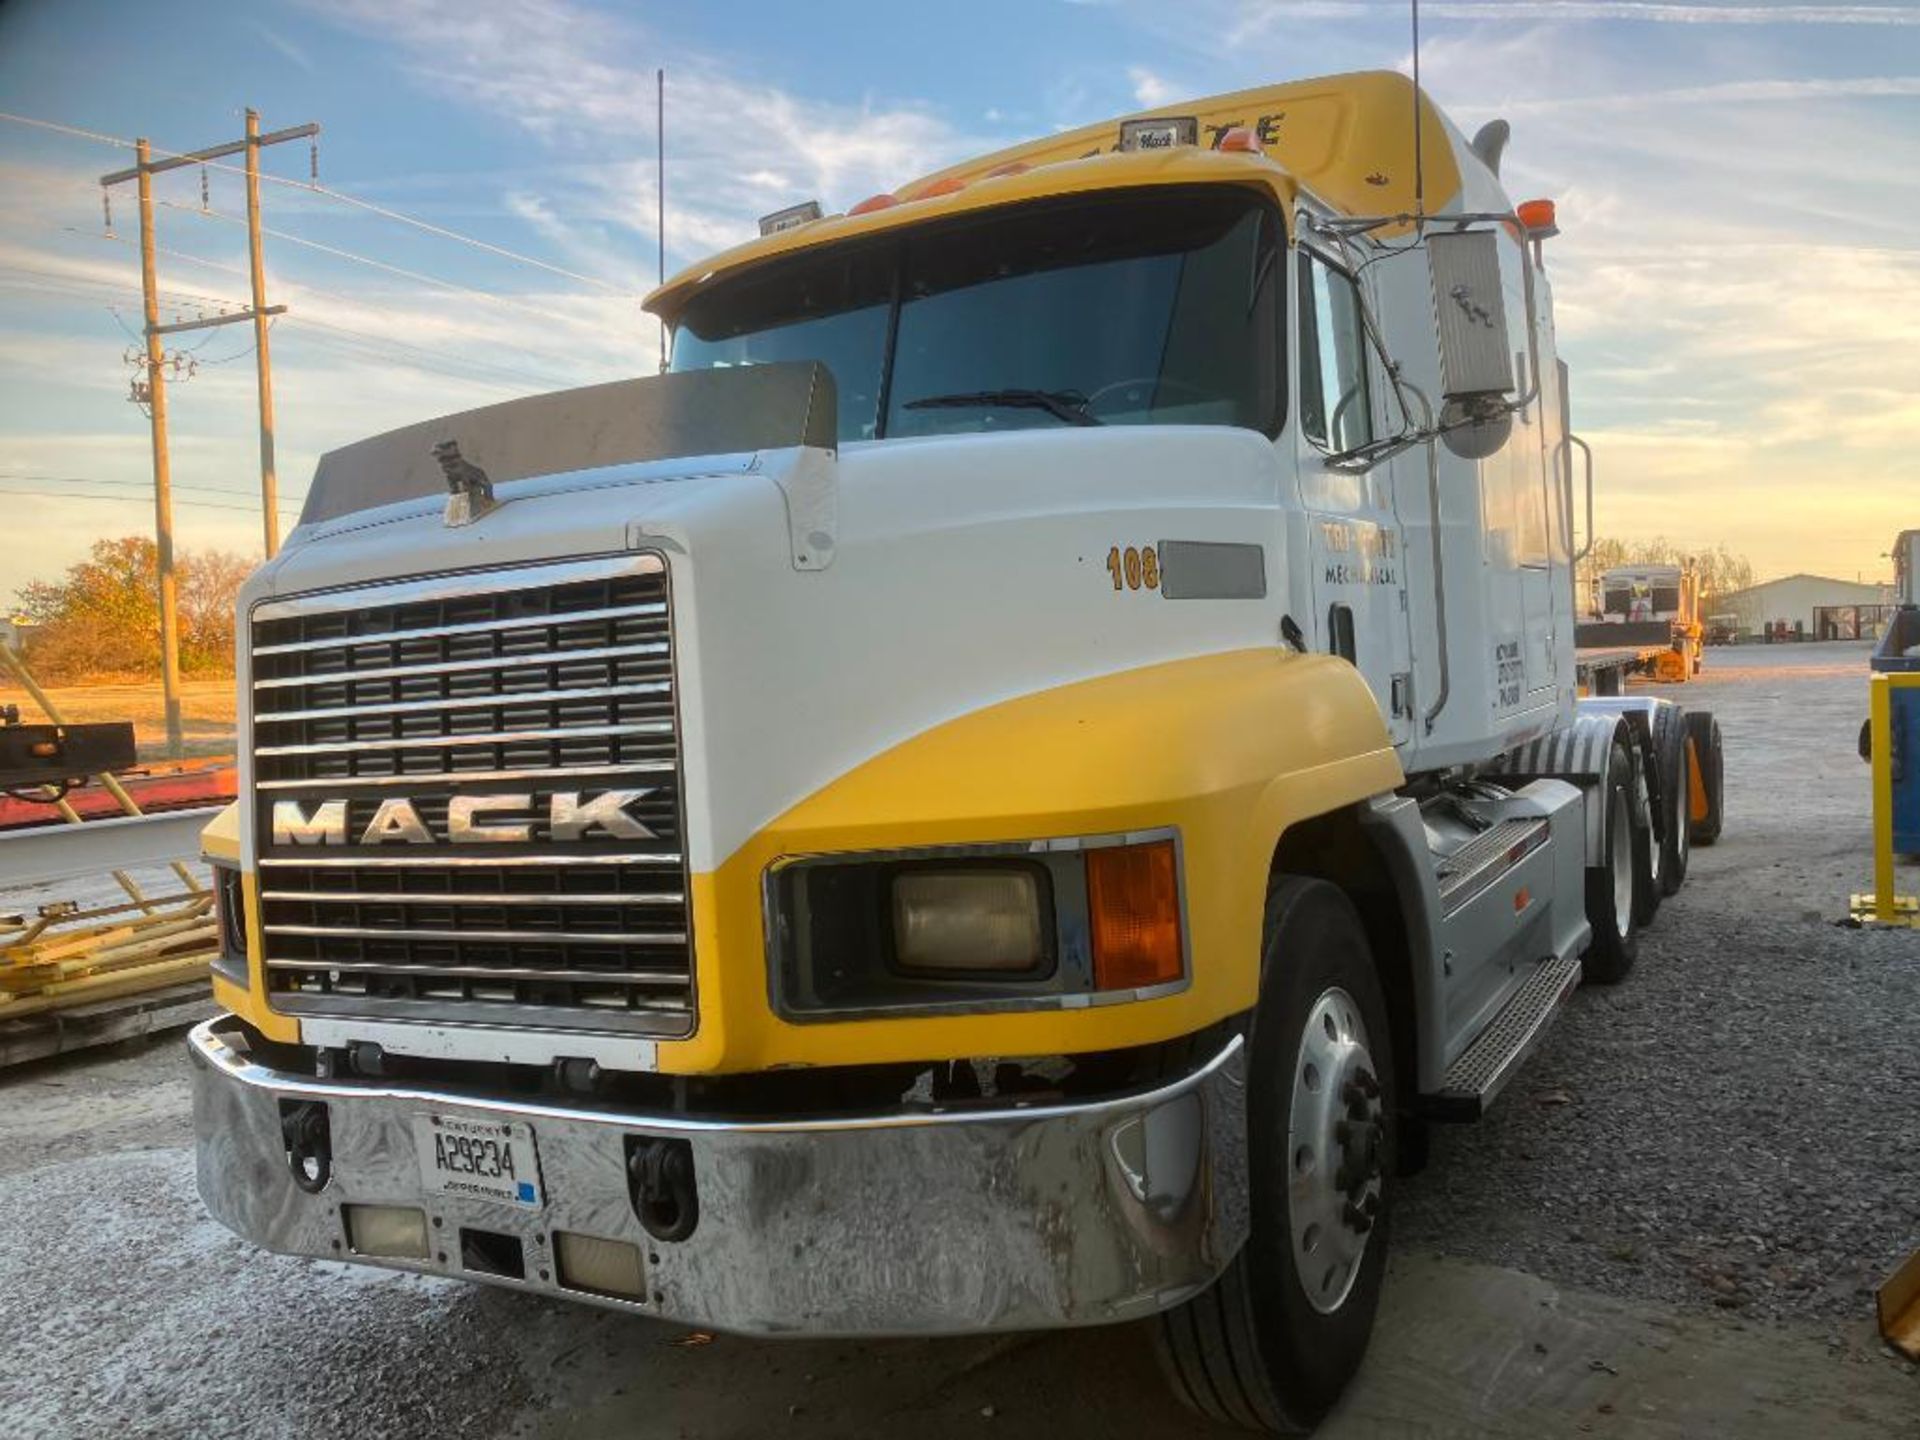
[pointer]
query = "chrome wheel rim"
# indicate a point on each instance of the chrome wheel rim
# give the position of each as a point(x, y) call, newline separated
point(1336, 1132)
point(1683, 808)
point(1620, 834)
point(1655, 853)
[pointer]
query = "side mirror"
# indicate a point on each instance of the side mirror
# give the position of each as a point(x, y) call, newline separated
point(1469, 309)
point(1476, 365)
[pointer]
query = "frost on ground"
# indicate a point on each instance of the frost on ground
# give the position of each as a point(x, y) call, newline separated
point(142, 1317)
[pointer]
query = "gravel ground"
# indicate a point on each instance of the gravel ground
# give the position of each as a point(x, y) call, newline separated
point(1729, 1134)
point(152, 1321)
point(1735, 1125)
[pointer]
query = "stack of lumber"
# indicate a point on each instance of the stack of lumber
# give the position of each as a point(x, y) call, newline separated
point(67, 957)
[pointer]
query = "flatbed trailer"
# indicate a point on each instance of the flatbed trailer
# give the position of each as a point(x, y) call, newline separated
point(1603, 670)
point(1606, 652)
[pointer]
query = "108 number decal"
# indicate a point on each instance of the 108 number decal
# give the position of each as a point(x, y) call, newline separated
point(1133, 569)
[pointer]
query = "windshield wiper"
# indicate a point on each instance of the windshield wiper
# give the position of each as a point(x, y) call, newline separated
point(1067, 405)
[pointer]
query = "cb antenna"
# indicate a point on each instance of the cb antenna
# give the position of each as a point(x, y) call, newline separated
point(1419, 158)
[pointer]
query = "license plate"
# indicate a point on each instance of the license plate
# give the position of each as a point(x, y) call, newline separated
point(478, 1159)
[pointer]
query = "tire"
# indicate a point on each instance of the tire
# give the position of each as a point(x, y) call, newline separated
point(1271, 1344)
point(1676, 845)
point(1612, 884)
point(1649, 856)
point(1704, 731)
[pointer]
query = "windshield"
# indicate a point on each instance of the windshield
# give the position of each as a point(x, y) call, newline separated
point(1141, 307)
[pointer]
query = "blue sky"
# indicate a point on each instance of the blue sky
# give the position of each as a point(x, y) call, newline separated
point(1739, 183)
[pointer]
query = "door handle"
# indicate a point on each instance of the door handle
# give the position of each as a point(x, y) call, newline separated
point(1586, 454)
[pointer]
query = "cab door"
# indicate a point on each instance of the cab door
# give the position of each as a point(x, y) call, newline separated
point(1354, 538)
point(1535, 453)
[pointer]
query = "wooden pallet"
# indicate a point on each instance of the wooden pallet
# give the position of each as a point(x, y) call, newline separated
point(103, 1022)
point(68, 960)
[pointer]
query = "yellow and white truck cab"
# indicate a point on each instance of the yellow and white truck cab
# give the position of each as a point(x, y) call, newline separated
point(1003, 792)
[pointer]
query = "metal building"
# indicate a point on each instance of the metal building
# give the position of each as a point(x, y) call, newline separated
point(1795, 599)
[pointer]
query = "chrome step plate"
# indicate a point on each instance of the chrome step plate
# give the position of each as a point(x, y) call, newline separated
point(1485, 1066)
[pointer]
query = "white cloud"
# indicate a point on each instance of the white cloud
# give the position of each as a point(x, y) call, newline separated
point(583, 81)
point(1736, 92)
point(280, 43)
point(360, 351)
point(1264, 18)
point(1148, 88)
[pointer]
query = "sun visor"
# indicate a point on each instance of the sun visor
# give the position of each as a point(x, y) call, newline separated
point(661, 417)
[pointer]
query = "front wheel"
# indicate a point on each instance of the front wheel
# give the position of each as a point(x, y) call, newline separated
point(1273, 1342)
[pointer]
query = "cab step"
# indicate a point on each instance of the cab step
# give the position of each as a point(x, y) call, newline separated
point(1485, 1066)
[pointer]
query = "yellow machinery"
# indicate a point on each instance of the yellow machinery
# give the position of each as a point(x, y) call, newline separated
point(1883, 906)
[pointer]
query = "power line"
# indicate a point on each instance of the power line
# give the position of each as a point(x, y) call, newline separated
point(341, 254)
point(134, 500)
point(130, 484)
point(303, 322)
point(461, 368)
point(316, 188)
point(75, 130)
point(111, 287)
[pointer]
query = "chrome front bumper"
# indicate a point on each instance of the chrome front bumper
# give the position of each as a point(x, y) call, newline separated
point(911, 1223)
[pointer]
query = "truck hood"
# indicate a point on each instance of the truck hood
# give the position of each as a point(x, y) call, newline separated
point(956, 572)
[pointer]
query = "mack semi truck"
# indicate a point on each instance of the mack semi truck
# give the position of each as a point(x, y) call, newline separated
point(1005, 791)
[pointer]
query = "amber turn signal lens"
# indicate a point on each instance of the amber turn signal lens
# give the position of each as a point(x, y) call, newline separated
point(1134, 894)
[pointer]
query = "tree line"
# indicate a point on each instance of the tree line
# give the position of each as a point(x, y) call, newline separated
point(1720, 570)
point(101, 621)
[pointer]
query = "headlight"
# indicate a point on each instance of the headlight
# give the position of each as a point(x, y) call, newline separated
point(1071, 922)
point(983, 919)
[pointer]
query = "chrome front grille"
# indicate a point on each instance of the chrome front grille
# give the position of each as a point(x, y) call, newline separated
point(376, 707)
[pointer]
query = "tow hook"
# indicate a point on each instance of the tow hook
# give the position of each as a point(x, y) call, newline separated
point(308, 1135)
point(661, 1186)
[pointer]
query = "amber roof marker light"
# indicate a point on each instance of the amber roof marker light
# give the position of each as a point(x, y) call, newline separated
point(1539, 223)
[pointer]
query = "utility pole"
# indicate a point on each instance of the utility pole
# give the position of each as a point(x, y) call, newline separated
point(162, 466)
point(156, 385)
point(263, 360)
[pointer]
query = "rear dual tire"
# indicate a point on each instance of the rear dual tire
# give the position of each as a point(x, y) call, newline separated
point(1676, 771)
point(1704, 733)
point(1615, 886)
